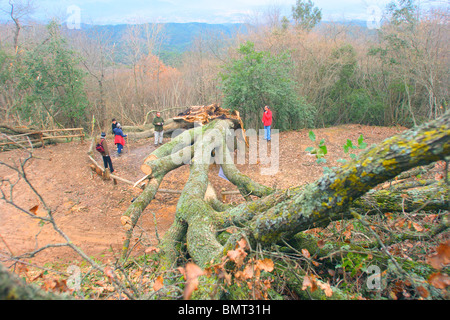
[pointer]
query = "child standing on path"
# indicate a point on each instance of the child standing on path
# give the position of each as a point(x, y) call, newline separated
point(119, 138)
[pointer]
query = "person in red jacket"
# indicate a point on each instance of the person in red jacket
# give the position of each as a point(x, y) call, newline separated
point(267, 121)
point(119, 138)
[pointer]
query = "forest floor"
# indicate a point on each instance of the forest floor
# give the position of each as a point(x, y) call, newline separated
point(88, 209)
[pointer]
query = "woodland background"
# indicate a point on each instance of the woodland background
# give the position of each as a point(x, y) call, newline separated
point(332, 73)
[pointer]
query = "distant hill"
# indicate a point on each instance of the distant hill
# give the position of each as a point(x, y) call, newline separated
point(179, 37)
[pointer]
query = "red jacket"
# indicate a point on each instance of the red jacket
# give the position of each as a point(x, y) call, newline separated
point(267, 118)
point(119, 136)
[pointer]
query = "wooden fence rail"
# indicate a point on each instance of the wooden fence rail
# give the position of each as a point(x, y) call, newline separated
point(41, 136)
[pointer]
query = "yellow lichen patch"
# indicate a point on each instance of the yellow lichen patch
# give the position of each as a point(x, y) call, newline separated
point(326, 205)
point(419, 148)
point(337, 183)
point(389, 164)
point(340, 203)
point(367, 161)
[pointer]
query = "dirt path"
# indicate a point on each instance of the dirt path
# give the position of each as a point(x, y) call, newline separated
point(88, 209)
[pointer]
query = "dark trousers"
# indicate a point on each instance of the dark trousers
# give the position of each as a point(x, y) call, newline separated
point(108, 163)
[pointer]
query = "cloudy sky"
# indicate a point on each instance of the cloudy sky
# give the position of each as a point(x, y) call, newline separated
point(211, 11)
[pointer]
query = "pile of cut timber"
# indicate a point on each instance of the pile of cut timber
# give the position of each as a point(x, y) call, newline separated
point(205, 114)
point(187, 119)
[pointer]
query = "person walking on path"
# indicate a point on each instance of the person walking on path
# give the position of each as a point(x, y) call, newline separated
point(158, 122)
point(267, 121)
point(119, 138)
point(105, 153)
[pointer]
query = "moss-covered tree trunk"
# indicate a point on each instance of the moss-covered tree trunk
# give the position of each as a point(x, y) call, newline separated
point(284, 213)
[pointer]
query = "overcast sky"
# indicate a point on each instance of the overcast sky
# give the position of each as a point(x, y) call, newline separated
point(210, 11)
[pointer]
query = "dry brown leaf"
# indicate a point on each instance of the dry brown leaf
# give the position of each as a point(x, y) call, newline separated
point(109, 272)
point(242, 243)
point(159, 283)
point(306, 253)
point(248, 272)
point(192, 273)
point(182, 271)
point(400, 222)
point(441, 257)
point(438, 176)
point(267, 284)
point(423, 292)
point(152, 250)
point(266, 265)
point(55, 285)
point(309, 282)
point(315, 263)
point(38, 211)
point(430, 218)
point(326, 288)
point(34, 209)
point(348, 232)
point(418, 227)
point(237, 256)
point(320, 243)
point(439, 280)
point(227, 277)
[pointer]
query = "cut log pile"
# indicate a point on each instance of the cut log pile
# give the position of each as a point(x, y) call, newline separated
point(187, 119)
point(205, 114)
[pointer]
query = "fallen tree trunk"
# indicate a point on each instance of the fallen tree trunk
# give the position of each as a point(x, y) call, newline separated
point(278, 215)
point(330, 197)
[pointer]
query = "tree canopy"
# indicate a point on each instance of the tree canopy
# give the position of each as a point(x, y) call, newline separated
point(258, 78)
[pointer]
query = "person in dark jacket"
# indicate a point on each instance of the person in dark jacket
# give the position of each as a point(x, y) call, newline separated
point(113, 125)
point(105, 155)
point(119, 138)
point(158, 122)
